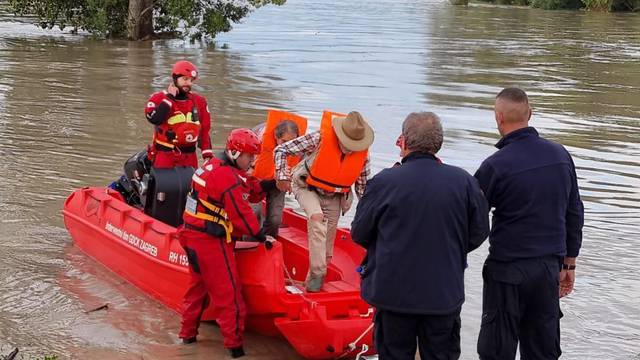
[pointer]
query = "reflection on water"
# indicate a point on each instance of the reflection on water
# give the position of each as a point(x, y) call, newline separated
point(72, 113)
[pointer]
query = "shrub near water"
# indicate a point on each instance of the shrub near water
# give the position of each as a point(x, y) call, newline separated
point(612, 5)
point(510, 2)
point(193, 19)
point(557, 4)
point(542, 4)
point(595, 5)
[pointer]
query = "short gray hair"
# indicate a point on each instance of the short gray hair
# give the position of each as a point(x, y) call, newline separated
point(286, 126)
point(422, 131)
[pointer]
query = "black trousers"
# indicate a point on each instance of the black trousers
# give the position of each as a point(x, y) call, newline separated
point(397, 335)
point(520, 303)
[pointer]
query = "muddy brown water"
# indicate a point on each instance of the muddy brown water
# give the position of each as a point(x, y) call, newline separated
point(71, 111)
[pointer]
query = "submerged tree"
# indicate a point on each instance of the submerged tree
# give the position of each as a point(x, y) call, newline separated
point(140, 19)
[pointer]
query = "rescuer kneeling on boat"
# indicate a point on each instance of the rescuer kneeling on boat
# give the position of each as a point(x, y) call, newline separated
point(217, 209)
point(336, 157)
point(182, 121)
point(280, 127)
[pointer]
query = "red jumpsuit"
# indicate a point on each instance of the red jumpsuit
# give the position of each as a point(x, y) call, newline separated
point(181, 123)
point(217, 206)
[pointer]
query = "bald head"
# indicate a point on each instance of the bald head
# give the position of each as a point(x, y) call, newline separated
point(513, 105)
point(512, 110)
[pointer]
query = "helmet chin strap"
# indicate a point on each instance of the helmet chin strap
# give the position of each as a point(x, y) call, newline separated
point(233, 155)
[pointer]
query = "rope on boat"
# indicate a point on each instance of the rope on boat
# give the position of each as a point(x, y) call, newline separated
point(364, 350)
point(353, 345)
point(311, 302)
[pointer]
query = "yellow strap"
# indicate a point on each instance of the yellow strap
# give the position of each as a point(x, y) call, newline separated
point(171, 146)
point(216, 209)
point(227, 225)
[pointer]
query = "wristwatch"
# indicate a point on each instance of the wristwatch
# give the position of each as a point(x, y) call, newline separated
point(568, 267)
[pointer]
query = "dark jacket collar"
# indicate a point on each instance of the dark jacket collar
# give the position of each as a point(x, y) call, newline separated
point(418, 155)
point(224, 158)
point(517, 135)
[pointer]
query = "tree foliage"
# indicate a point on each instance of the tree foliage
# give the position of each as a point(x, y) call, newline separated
point(194, 19)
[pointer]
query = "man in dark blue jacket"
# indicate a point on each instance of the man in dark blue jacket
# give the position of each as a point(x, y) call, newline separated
point(535, 237)
point(418, 221)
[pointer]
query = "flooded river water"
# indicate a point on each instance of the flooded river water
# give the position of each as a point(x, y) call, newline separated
point(71, 111)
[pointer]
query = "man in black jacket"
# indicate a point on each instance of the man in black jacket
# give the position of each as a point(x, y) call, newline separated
point(535, 238)
point(418, 221)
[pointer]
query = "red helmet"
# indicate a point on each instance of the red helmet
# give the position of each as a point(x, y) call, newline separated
point(244, 141)
point(185, 68)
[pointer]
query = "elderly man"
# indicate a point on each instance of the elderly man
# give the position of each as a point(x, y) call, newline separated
point(336, 158)
point(535, 238)
point(280, 127)
point(418, 221)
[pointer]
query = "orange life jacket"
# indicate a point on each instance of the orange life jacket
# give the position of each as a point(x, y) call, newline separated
point(332, 170)
point(181, 128)
point(264, 165)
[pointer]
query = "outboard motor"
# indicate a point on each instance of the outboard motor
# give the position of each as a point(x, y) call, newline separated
point(133, 184)
point(167, 194)
point(161, 193)
point(137, 170)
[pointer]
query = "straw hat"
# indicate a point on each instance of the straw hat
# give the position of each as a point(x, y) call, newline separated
point(353, 131)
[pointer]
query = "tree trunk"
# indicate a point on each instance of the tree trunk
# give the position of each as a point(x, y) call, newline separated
point(140, 22)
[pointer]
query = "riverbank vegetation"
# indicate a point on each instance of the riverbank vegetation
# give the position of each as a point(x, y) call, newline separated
point(595, 5)
point(140, 19)
point(16, 355)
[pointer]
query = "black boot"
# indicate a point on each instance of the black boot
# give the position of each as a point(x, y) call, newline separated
point(236, 352)
point(189, 340)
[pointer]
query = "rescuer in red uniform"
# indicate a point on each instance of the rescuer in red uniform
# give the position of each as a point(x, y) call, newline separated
point(182, 121)
point(217, 212)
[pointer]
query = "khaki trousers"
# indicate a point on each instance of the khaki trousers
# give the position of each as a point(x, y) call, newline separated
point(321, 234)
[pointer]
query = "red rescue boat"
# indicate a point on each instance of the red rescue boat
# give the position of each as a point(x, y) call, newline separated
point(333, 323)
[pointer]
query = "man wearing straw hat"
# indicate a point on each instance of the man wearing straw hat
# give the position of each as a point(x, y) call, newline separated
point(336, 158)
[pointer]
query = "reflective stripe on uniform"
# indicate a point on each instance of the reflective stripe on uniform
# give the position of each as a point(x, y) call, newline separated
point(181, 118)
point(198, 180)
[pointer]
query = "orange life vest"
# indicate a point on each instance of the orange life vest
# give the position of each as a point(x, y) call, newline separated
point(181, 128)
point(264, 165)
point(332, 170)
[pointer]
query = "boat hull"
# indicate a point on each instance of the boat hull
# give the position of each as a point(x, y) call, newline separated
point(146, 253)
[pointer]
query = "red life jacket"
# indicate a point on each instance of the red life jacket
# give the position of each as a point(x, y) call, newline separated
point(218, 203)
point(181, 128)
point(201, 211)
